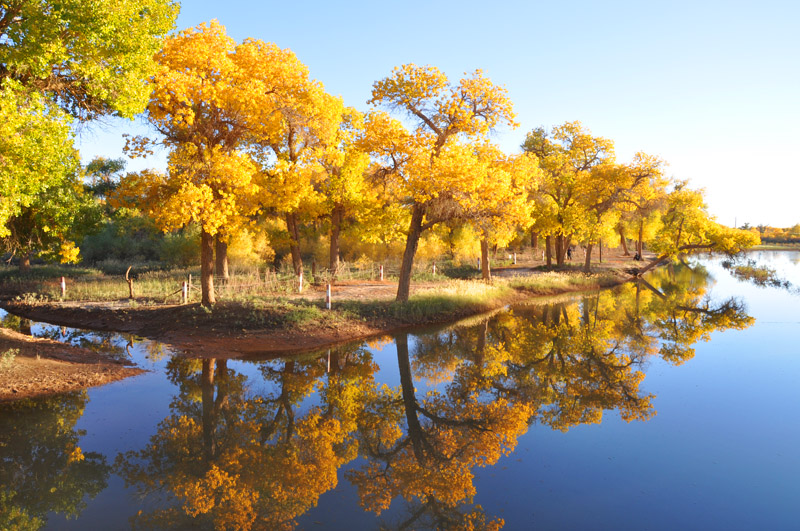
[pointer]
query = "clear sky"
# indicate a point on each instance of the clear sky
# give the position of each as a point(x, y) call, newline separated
point(712, 87)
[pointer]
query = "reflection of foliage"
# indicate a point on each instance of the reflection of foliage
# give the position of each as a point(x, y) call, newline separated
point(237, 455)
point(430, 461)
point(42, 468)
point(759, 275)
point(96, 340)
point(681, 312)
point(235, 461)
point(558, 364)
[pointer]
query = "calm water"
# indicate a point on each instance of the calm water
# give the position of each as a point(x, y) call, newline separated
point(660, 405)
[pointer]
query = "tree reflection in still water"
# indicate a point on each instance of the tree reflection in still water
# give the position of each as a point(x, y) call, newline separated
point(240, 454)
point(42, 468)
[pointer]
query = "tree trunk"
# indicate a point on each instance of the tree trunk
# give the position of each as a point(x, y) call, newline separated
point(587, 263)
point(415, 432)
point(548, 242)
point(559, 242)
point(336, 226)
point(221, 258)
point(534, 240)
point(480, 350)
point(292, 226)
point(624, 243)
point(560, 249)
point(639, 244)
point(600, 251)
point(485, 272)
point(207, 268)
point(25, 262)
point(207, 384)
point(412, 242)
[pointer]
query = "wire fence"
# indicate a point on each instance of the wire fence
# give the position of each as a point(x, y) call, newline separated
point(184, 285)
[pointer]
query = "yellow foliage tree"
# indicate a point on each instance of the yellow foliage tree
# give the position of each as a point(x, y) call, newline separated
point(292, 119)
point(568, 157)
point(431, 169)
point(199, 101)
point(686, 226)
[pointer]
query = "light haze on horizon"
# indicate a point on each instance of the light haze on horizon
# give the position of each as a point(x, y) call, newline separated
point(711, 87)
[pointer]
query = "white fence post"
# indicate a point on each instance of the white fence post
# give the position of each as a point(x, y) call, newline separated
point(328, 297)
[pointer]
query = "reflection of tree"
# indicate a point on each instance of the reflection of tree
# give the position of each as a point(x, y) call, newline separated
point(558, 364)
point(96, 341)
point(237, 454)
point(42, 468)
point(16, 323)
point(429, 463)
point(681, 313)
point(235, 459)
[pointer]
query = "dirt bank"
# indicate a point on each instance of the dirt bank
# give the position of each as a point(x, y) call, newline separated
point(35, 367)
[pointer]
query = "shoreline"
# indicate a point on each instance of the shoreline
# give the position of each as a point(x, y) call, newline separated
point(241, 330)
point(222, 333)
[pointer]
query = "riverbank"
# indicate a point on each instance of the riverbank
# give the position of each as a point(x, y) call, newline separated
point(32, 367)
point(266, 327)
point(300, 322)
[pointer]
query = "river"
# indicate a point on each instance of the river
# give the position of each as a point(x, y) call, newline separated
point(671, 403)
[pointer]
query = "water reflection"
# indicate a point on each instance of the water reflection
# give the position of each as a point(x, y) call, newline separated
point(42, 467)
point(251, 447)
point(106, 342)
point(241, 454)
point(237, 458)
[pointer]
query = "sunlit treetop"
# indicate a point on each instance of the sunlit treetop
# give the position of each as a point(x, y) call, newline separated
point(473, 107)
point(91, 57)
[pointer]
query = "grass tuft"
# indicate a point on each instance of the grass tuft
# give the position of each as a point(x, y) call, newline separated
point(7, 358)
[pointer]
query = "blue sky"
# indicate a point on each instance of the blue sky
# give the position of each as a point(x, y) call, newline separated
point(711, 87)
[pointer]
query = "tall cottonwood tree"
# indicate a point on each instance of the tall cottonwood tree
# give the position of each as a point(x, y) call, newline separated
point(344, 183)
point(502, 199)
point(198, 103)
point(292, 118)
point(435, 173)
point(568, 156)
point(611, 190)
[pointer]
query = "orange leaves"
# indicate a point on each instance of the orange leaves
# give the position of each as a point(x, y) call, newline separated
point(472, 107)
point(432, 163)
point(409, 86)
point(196, 68)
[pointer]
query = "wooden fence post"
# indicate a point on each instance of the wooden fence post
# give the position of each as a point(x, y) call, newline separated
point(63, 288)
point(300, 284)
point(130, 282)
point(434, 269)
point(381, 272)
